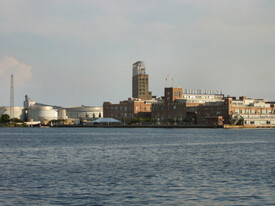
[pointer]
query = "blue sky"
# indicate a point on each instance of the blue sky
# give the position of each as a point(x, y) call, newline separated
point(74, 52)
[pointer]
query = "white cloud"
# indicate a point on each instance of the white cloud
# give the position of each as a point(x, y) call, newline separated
point(22, 72)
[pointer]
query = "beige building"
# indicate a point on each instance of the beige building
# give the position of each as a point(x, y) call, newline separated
point(17, 112)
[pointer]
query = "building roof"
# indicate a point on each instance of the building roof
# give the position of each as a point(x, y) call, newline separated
point(105, 120)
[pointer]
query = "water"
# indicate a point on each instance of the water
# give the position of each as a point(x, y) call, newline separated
point(97, 166)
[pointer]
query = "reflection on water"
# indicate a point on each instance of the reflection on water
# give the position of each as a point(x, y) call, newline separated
point(96, 166)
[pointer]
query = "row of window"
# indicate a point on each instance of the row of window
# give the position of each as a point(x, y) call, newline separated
point(259, 122)
point(121, 108)
point(142, 79)
point(115, 115)
point(161, 107)
point(201, 97)
point(252, 111)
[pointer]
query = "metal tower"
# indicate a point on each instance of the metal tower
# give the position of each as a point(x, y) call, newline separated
point(12, 99)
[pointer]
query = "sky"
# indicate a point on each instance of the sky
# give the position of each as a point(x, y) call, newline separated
point(80, 52)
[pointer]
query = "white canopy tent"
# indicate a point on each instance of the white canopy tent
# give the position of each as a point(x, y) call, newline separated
point(106, 120)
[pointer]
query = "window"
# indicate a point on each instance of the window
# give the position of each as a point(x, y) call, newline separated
point(177, 94)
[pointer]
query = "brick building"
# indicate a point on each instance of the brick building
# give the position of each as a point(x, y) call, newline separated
point(181, 105)
point(169, 108)
point(128, 109)
point(140, 82)
point(242, 112)
point(137, 106)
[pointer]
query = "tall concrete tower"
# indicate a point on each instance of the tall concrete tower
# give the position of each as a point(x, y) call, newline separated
point(140, 82)
point(12, 98)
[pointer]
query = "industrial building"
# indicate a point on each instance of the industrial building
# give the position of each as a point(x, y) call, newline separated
point(40, 112)
point(17, 112)
point(84, 112)
point(43, 113)
point(128, 109)
point(181, 105)
point(244, 111)
point(140, 82)
point(212, 108)
point(37, 112)
point(139, 105)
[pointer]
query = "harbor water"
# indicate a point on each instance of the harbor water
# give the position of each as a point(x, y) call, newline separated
point(142, 166)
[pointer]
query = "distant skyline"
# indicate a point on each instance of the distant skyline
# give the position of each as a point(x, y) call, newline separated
point(80, 52)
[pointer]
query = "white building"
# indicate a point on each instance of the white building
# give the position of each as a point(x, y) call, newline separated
point(41, 113)
point(84, 112)
point(17, 112)
point(36, 112)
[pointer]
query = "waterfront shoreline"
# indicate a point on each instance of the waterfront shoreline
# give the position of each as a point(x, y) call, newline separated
point(172, 126)
point(153, 126)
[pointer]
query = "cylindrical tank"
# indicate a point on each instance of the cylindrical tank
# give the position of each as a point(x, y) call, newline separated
point(40, 113)
point(62, 113)
point(84, 112)
point(17, 112)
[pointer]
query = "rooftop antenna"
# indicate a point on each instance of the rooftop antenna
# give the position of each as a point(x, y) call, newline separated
point(12, 99)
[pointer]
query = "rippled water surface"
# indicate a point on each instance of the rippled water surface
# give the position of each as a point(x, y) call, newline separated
point(97, 166)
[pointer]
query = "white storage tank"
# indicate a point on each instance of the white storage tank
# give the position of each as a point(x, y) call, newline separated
point(84, 112)
point(62, 113)
point(40, 113)
point(17, 112)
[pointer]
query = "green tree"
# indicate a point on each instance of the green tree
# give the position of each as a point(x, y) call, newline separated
point(5, 118)
point(134, 120)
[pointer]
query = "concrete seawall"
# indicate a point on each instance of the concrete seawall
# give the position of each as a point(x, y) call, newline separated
point(247, 126)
